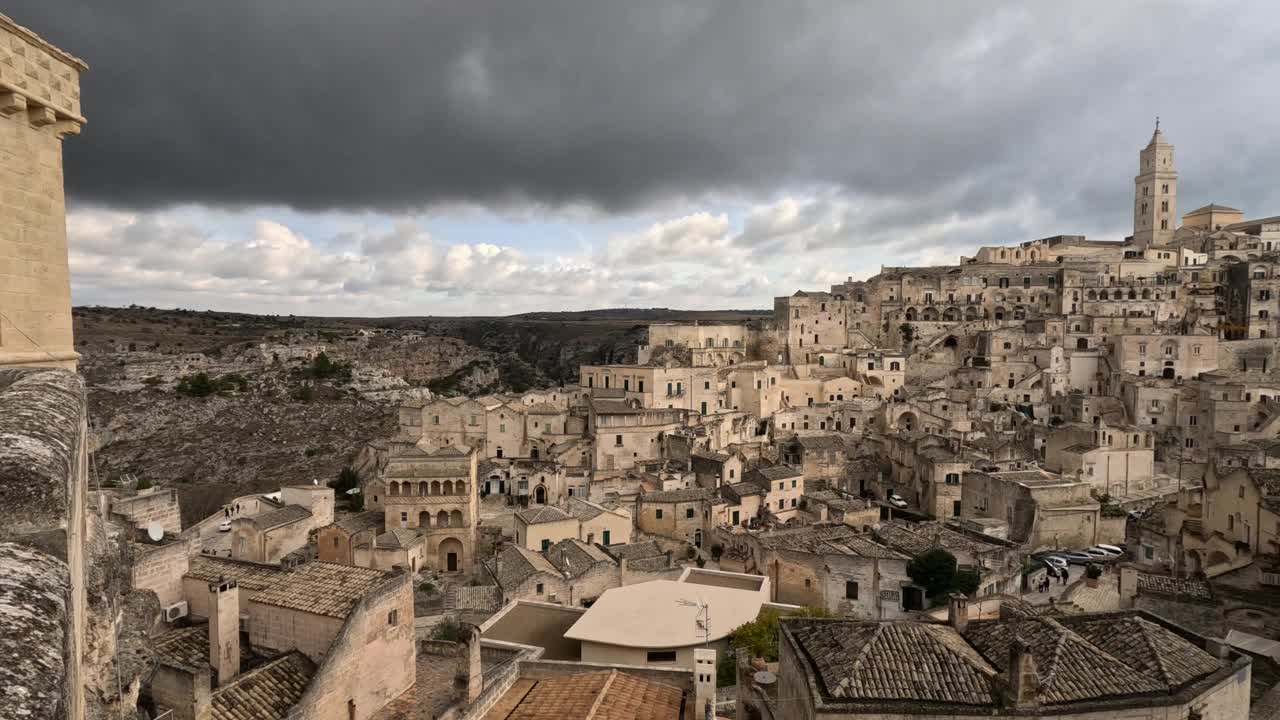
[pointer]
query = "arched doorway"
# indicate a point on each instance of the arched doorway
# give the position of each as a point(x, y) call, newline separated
point(540, 495)
point(1194, 565)
point(450, 555)
point(1082, 343)
point(697, 537)
point(1168, 373)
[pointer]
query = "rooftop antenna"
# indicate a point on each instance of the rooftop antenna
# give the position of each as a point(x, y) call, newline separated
point(155, 531)
point(702, 620)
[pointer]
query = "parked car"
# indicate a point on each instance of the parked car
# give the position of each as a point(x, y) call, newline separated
point(896, 501)
point(1099, 555)
point(1078, 558)
point(1113, 549)
point(1054, 561)
point(224, 526)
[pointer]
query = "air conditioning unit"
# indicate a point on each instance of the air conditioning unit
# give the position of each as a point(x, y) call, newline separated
point(1270, 578)
point(175, 611)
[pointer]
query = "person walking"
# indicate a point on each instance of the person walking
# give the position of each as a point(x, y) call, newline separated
point(1066, 575)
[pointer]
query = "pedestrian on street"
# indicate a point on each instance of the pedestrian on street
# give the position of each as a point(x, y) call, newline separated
point(1066, 575)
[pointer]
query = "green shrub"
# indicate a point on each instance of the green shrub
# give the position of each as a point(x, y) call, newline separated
point(760, 636)
point(450, 630)
point(144, 484)
point(726, 670)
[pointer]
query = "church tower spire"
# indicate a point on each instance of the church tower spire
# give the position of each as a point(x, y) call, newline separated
point(1155, 192)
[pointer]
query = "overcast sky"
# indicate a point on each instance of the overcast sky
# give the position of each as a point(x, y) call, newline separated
point(375, 158)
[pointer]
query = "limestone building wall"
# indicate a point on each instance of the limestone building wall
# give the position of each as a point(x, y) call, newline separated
point(158, 506)
point(160, 569)
point(39, 105)
point(370, 661)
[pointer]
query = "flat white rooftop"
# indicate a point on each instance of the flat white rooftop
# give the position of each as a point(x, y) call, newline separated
point(664, 614)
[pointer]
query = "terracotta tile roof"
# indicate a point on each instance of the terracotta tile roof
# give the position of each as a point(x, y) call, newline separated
point(828, 539)
point(1090, 657)
point(358, 522)
point(636, 550)
point(919, 538)
point(249, 576)
point(573, 557)
point(1148, 648)
point(674, 496)
point(1182, 587)
point(283, 516)
point(583, 509)
point(1094, 658)
point(322, 588)
point(188, 648)
point(397, 538)
point(611, 695)
point(543, 514)
point(895, 661)
point(515, 564)
point(265, 693)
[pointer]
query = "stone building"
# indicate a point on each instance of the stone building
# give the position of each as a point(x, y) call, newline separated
point(833, 567)
point(270, 536)
point(39, 106)
point(675, 514)
point(1126, 664)
point(1043, 510)
point(339, 641)
point(434, 492)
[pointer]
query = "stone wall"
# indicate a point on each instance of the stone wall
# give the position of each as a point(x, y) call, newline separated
point(370, 662)
point(158, 506)
point(39, 104)
point(159, 568)
point(42, 542)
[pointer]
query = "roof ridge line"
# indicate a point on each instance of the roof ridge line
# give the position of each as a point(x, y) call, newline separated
point(866, 647)
point(1166, 676)
point(600, 696)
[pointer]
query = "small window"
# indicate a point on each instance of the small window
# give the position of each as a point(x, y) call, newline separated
point(539, 588)
point(657, 514)
point(393, 618)
point(850, 590)
point(688, 512)
point(662, 656)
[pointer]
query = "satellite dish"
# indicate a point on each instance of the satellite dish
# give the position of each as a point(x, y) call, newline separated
point(764, 677)
point(155, 532)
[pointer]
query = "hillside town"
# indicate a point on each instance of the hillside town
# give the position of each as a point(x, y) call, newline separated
point(1041, 482)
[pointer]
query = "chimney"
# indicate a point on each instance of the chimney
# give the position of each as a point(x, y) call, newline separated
point(224, 629)
point(1217, 648)
point(958, 611)
point(1128, 586)
point(1024, 681)
point(201, 695)
point(475, 670)
point(743, 662)
point(704, 682)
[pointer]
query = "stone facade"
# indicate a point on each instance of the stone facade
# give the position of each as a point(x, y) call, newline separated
point(435, 493)
point(39, 106)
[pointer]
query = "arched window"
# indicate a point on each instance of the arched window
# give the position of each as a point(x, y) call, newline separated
point(442, 519)
point(455, 518)
point(895, 365)
point(422, 488)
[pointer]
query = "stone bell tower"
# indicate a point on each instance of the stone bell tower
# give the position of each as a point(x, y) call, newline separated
point(1155, 193)
point(39, 105)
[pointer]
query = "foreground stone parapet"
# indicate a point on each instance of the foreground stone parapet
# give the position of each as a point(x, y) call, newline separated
point(42, 540)
point(34, 622)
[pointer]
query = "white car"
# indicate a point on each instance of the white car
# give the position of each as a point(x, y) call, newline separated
point(896, 501)
point(1112, 549)
point(1099, 554)
point(1054, 561)
point(224, 526)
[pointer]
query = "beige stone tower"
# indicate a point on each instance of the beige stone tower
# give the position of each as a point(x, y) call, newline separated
point(1155, 193)
point(39, 105)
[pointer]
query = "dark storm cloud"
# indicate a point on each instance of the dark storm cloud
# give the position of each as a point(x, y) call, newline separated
point(397, 105)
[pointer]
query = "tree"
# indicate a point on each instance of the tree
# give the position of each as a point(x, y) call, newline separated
point(760, 636)
point(966, 582)
point(908, 333)
point(934, 570)
point(726, 670)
